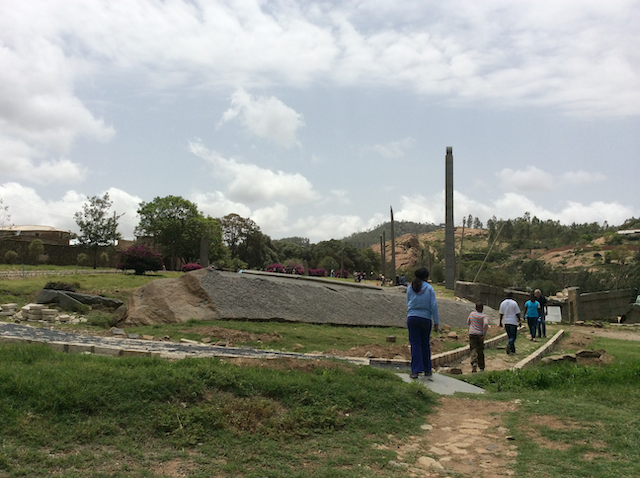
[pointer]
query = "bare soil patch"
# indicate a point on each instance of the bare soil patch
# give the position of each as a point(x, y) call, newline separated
point(232, 336)
point(465, 436)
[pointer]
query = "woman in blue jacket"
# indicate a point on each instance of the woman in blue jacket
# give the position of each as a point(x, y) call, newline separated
point(422, 315)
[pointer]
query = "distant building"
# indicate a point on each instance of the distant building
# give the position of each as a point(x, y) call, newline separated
point(47, 234)
point(630, 232)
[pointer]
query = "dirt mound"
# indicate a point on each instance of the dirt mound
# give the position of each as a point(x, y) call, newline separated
point(231, 336)
point(212, 295)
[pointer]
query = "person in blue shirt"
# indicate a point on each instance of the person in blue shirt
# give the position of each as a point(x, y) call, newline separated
point(531, 313)
point(422, 315)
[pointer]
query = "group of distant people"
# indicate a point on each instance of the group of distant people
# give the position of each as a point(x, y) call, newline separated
point(422, 318)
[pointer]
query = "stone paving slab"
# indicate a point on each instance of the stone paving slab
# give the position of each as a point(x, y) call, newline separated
point(443, 385)
point(116, 346)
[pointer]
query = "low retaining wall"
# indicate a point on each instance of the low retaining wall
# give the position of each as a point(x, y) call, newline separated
point(438, 360)
point(541, 352)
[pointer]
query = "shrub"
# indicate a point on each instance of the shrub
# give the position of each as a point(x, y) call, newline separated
point(104, 259)
point(277, 268)
point(343, 274)
point(11, 257)
point(191, 266)
point(140, 259)
point(62, 286)
point(320, 272)
point(82, 259)
point(36, 249)
point(295, 268)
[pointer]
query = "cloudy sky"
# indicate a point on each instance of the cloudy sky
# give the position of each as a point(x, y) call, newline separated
point(312, 118)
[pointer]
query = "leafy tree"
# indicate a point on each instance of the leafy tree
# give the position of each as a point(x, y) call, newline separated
point(36, 249)
point(82, 259)
point(257, 250)
point(195, 230)
point(97, 227)
point(235, 230)
point(166, 221)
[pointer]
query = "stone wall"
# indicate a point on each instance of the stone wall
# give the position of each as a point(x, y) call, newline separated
point(588, 306)
point(604, 305)
point(56, 254)
point(490, 295)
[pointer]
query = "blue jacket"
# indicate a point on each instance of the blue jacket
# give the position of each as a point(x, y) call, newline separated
point(423, 304)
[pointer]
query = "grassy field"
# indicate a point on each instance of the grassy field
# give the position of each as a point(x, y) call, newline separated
point(575, 421)
point(88, 416)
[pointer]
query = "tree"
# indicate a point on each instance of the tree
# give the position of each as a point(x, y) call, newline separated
point(97, 227)
point(235, 230)
point(5, 217)
point(36, 249)
point(197, 228)
point(166, 221)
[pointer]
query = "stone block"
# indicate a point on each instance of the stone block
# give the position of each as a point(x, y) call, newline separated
point(58, 346)
point(80, 348)
point(107, 351)
point(136, 353)
point(148, 337)
point(188, 341)
point(588, 353)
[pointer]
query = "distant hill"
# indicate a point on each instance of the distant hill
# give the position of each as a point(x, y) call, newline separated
point(372, 236)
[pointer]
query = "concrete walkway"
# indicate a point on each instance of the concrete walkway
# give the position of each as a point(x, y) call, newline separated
point(443, 385)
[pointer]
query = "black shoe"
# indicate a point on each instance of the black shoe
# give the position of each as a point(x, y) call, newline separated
point(413, 376)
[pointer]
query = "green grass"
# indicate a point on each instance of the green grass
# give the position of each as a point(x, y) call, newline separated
point(599, 406)
point(118, 286)
point(76, 415)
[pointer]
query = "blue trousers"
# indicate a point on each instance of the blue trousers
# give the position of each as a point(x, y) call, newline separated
point(419, 335)
point(512, 333)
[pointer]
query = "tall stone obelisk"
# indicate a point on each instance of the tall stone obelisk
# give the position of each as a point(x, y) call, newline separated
point(393, 250)
point(449, 238)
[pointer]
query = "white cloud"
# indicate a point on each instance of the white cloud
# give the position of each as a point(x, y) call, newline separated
point(217, 205)
point(26, 207)
point(529, 179)
point(40, 116)
point(393, 149)
point(580, 178)
point(264, 117)
point(248, 183)
point(533, 179)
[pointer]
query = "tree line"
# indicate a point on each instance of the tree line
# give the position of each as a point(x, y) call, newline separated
point(175, 226)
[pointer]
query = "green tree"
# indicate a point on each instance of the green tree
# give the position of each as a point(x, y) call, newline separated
point(197, 228)
point(166, 220)
point(98, 228)
point(235, 230)
point(36, 249)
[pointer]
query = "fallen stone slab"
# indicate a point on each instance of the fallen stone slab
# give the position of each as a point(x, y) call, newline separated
point(589, 353)
point(70, 300)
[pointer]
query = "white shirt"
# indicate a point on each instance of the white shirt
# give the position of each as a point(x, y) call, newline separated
point(508, 309)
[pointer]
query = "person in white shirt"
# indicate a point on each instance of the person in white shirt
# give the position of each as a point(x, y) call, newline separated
point(510, 314)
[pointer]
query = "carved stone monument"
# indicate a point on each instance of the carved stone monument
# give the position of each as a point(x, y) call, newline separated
point(449, 238)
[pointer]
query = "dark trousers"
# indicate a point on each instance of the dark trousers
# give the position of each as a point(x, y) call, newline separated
point(542, 327)
point(476, 345)
point(419, 335)
point(512, 333)
point(533, 326)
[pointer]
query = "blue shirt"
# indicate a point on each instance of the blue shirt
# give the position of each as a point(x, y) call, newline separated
point(531, 307)
point(422, 304)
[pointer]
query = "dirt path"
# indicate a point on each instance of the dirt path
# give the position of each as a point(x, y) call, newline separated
point(464, 436)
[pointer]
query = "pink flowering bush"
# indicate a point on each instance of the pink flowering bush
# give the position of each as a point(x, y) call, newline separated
point(277, 268)
point(140, 259)
point(191, 266)
point(320, 272)
point(295, 269)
